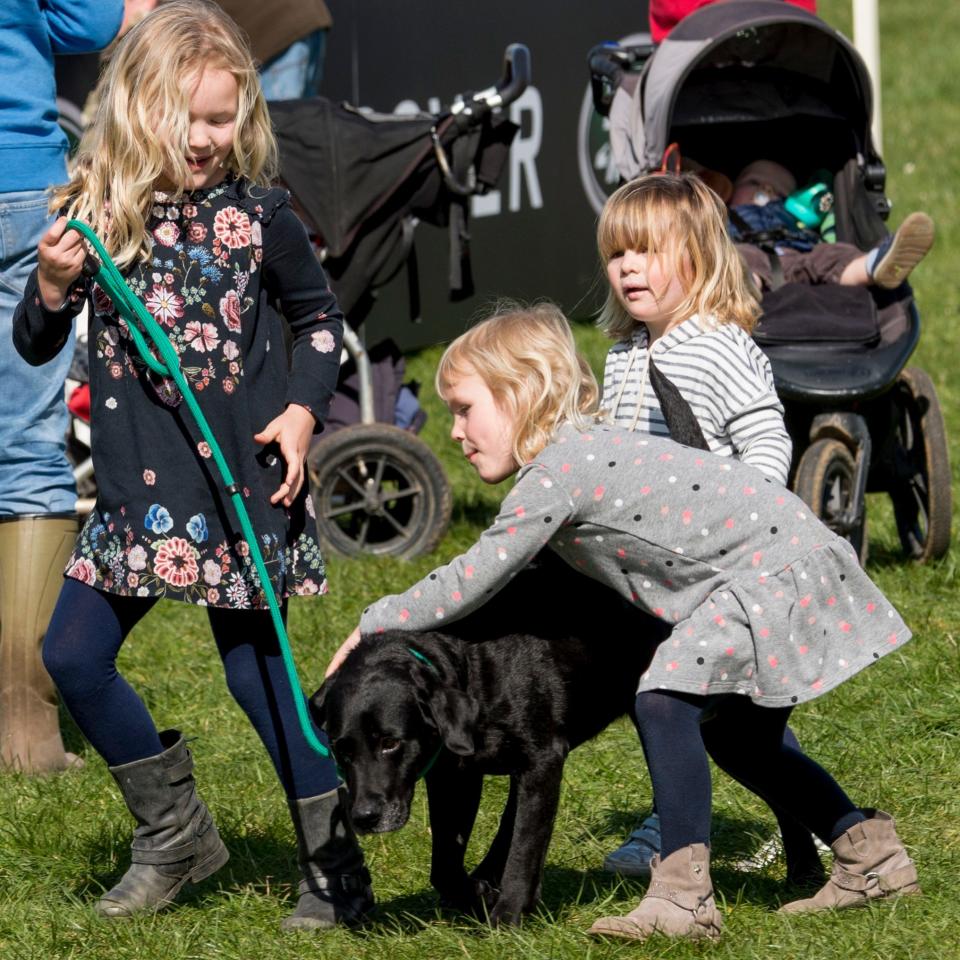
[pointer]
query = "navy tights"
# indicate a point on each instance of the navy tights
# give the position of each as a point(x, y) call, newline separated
point(746, 741)
point(80, 650)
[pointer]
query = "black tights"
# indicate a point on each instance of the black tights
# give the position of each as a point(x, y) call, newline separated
point(746, 741)
point(85, 635)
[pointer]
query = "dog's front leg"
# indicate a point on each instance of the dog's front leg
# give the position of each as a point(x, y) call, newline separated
point(490, 870)
point(453, 797)
point(538, 793)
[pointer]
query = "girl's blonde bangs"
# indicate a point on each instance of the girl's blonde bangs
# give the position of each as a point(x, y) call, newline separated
point(528, 359)
point(679, 218)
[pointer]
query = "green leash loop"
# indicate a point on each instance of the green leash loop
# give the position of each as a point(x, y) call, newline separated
point(130, 307)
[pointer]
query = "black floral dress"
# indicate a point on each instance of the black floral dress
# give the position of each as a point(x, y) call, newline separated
point(226, 263)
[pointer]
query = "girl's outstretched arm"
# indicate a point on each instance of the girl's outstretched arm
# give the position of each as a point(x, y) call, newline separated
point(535, 510)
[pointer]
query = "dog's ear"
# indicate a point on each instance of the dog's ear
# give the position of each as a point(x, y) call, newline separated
point(455, 714)
point(317, 704)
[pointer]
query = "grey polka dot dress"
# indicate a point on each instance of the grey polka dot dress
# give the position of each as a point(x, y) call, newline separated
point(764, 600)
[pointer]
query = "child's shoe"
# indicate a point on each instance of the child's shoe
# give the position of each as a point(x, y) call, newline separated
point(678, 903)
point(870, 862)
point(891, 262)
point(632, 858)
point(805, 873)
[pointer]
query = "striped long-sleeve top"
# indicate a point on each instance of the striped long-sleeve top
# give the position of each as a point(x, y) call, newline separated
point(721, 373)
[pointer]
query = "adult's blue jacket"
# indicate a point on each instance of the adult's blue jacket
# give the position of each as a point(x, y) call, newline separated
point(32, 146)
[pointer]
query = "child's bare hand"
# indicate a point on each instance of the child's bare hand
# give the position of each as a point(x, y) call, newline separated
point(291, 431)
point(342, 652)
point(61, 254)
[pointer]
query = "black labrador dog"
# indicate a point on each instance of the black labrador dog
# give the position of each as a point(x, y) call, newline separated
point(508, 691)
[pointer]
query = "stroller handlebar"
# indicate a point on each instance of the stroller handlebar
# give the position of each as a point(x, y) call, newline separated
point(514, 80)
point(607, 63)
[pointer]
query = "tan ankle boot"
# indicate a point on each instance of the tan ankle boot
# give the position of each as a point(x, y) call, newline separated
point(33, 551)
point(870, 862)
point(678, 903)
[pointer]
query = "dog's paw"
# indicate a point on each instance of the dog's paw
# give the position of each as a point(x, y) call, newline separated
point(505, 913)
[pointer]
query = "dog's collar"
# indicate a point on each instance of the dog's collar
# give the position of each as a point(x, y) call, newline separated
point(423, 658)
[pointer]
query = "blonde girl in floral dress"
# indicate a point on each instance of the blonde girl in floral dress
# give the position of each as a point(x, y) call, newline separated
point(174, 175)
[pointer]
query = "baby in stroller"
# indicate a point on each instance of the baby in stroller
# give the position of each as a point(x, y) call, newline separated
point(761, 220)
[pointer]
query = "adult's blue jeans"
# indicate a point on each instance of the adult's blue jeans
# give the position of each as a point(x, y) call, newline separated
point(35, 476)
point(296, 72)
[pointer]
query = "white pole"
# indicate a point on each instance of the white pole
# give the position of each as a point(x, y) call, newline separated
point(866, 38)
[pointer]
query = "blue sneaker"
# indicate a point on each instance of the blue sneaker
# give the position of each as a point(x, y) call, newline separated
point(890, 263)
point(632, 859)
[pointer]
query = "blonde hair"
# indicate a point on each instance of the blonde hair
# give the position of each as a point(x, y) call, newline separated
point(140, 129)
point(679, 218)
point(527, 357)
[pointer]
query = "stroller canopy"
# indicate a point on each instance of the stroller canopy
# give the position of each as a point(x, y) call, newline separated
point(744, 79)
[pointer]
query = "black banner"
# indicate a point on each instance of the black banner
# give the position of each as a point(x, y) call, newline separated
point(533, 237)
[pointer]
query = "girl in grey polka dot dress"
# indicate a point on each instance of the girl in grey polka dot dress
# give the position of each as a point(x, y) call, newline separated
point(769, 608)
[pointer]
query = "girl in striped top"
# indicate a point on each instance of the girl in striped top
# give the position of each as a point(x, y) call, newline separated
point(680, 298)
point(681, 301)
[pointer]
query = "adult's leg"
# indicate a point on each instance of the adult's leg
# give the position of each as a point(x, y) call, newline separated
point(37, 504)
point(80, 650)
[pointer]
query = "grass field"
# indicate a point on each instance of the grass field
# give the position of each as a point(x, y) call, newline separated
point(891, 736)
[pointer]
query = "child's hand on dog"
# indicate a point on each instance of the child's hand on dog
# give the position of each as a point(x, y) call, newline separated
point(342, 652)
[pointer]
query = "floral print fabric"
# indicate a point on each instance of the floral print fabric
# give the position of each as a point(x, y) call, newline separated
point(224, 262)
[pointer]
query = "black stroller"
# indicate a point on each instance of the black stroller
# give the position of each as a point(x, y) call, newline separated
point(744, 79)
point(361, 182)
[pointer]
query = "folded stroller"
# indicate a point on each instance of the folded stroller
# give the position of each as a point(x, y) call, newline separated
point(361, 182)
point(747, 79)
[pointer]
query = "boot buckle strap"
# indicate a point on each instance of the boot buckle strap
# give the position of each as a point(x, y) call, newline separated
point(348, 883)
point(180, 770)
point(897, 879)
point(856, 882)
point(687, 899)
point(174, 854)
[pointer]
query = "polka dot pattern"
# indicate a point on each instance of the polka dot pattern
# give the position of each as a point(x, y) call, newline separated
point(767, 602)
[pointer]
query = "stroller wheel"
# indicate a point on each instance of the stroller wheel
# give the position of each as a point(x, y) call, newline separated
point(378, 489)
point(921, 483)
point(825, 482)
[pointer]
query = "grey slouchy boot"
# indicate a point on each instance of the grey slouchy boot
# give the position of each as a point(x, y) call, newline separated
point(678, 903)
point(175, 840)
point(869, 862)
point(335, 888)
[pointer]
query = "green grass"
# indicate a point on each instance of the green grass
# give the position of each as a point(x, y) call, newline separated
point(890, 735)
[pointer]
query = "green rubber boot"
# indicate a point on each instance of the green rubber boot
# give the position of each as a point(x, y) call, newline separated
point(33, 552)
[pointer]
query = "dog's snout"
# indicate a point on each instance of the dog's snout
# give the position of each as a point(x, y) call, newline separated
point(366, 815)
